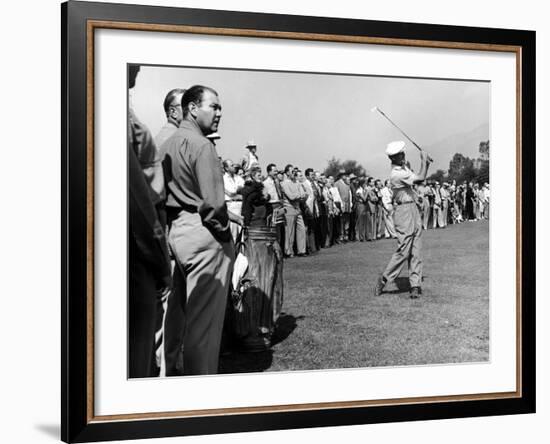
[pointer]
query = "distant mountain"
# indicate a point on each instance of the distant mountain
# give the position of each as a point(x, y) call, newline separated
point(466, 143)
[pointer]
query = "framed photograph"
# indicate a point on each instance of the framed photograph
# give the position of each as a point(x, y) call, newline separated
point(275, 222)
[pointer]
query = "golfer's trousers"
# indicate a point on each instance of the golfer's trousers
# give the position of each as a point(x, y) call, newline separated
point(388, 223)
point(408, 229)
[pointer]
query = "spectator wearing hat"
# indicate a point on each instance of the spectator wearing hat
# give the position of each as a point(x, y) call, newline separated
point(250, 158)
point(406, 218)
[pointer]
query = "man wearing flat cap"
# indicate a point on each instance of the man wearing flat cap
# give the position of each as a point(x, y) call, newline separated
point(250, 158)
point(407, 221)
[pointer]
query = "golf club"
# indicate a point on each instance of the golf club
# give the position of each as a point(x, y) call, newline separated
point(400, 130)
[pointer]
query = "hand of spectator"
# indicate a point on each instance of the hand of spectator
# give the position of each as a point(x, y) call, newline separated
point(163, 293)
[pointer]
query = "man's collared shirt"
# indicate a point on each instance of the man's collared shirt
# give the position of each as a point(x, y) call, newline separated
point(164, 134)
point(194, 178)
point(293, 192)
point(271, 189)
point(402, 180)
point(387, 197)
point(231, 185)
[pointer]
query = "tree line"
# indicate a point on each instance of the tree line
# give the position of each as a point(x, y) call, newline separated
point(464, 169)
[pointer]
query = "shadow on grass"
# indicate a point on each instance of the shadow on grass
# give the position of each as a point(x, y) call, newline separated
point(246, 362)
point(286, 324)
point(399, 285)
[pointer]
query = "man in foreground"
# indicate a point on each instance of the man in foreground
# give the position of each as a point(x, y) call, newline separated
point(407, 221)
point(200, 238)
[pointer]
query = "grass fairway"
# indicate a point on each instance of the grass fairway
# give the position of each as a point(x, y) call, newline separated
point(332, 320)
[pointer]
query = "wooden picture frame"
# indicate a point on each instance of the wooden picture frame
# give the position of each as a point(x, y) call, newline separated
point(79, 22)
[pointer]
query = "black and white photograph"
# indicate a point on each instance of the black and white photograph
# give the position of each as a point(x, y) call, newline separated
point(295, 221)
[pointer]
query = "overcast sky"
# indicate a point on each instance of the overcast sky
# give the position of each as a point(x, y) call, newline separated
point(306, 119)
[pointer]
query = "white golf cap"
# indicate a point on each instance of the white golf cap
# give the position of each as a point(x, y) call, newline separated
point(395, 147)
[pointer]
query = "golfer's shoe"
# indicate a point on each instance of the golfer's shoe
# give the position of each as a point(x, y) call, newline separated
point(379, 287)
point(415, 292)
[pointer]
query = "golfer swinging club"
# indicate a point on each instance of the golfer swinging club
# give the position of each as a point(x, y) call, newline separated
point(408, 226)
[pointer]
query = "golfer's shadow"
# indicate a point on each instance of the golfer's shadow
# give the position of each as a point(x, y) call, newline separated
point(400, 285)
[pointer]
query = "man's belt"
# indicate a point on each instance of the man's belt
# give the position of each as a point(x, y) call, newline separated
point(185, 207)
